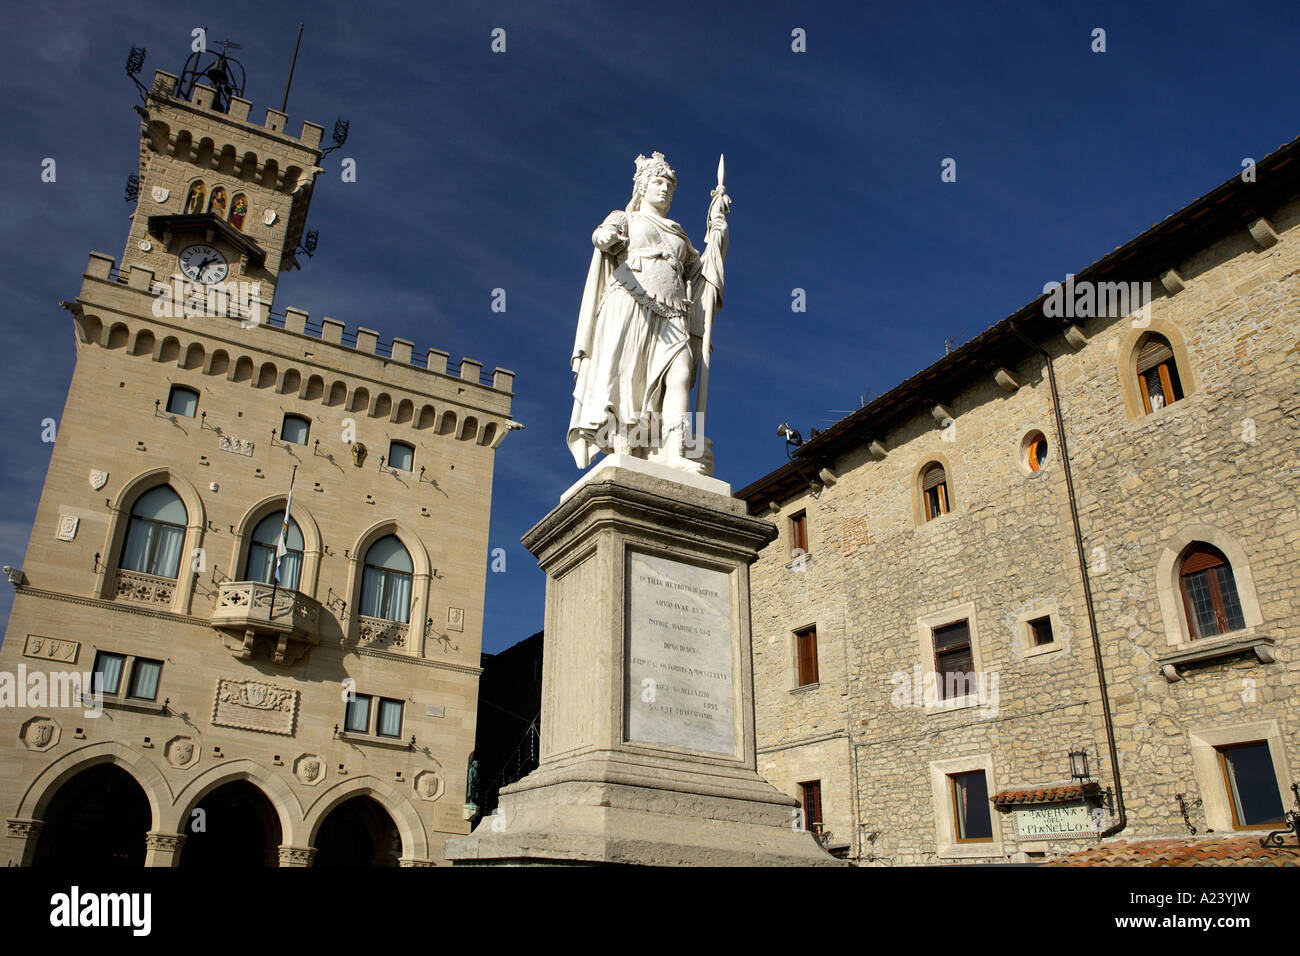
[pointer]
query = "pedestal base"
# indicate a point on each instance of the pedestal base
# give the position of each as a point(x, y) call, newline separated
point(647, 751)
point(579, 822)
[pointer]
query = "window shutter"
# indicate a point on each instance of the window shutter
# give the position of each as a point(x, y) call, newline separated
point(1199, 560)
point(1154, 351)
point(933, 476)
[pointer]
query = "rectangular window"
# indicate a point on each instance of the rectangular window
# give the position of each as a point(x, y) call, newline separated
point(107, 675)
point(182, 401)
point(799, 534)
point(295, 429)
point(970, 803)
point(812, 805)
point(1040, 631)
point(1252, 785)
point(358, 715)
point(401, 456)
point(144, 679)
point(953, 656)
point(806, 655)
point(390, 718)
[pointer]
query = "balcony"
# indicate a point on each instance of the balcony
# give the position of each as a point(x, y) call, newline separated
point(379, 633)
point(251, 612)
point(143, 588)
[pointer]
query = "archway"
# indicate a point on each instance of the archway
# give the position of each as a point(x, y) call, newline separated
point(232, 827)
point(358, 833)
point(99, 818)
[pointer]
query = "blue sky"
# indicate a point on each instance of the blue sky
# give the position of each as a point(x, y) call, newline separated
point(479, 170)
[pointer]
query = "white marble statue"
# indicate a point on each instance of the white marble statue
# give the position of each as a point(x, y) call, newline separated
point(645, 325)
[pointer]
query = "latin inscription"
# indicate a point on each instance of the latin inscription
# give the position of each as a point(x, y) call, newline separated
point(680, 688)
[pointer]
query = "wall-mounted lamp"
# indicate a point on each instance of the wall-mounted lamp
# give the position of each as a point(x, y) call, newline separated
point(1079, 766)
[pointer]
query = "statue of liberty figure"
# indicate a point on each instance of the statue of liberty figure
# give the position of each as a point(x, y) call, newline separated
point(644, 327)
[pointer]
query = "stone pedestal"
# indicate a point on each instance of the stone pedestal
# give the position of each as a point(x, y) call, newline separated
point(647, 750)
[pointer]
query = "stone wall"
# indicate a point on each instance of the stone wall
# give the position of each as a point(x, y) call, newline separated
point(879, 576)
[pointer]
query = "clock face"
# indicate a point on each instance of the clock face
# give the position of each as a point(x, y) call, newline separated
point(204, 264)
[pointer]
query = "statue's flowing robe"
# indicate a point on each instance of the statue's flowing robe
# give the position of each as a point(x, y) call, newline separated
point(637, 315)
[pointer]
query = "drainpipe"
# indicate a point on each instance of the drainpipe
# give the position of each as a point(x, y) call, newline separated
point(1122, 820)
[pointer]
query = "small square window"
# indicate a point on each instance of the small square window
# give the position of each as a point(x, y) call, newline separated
point(144, 679)
point(358, 715)
point(107, 674)
point(970, 802)
point(1040, 631)
point(183, 401)
point(1252, 785)
point(806, 654)
point(295, 429)
point(401, 456)
point(390, 718)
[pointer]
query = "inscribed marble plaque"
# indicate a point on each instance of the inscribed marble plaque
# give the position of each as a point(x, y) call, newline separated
point(680, 683)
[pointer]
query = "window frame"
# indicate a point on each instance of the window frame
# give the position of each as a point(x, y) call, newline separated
point(925, 625)
point(176, 390)
point(379, 717)
point(958, 818)
point(946, 828)
point(1217, 605)
point(396, 443)
point(155, 540)
point(1034, 631)
point(1166, 370)
point(940, 675)
point(347, 711)
point(1233, 791)
point(941, 499)
point(94, 673)
point(799, 534)
point(812, 822)
point(805, 650)
point(297, 418)
point(132, 683)
point(1205, 742)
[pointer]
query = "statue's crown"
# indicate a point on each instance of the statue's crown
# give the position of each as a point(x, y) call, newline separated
point(656, 164)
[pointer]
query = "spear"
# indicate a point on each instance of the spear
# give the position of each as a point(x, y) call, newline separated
point(702, 401)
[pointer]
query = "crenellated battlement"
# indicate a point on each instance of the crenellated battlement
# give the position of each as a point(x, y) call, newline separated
point(361, 340)
point(203, 98)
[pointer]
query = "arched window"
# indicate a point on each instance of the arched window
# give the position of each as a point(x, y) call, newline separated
point(262, 549)
point(386, 581)
point(934, 491)
point(182, 401)
point(155, 535)
point(218, 203)
point(238, 211)
point(1157, 373)
point(401, 456)
point(1209, 592)
point(194, 201)
point(295, 429)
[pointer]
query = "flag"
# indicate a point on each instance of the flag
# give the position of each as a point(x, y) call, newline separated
point(281, 548)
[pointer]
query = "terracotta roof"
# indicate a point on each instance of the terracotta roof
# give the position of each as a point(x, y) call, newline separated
point(1235, 850)
point(1058, 794)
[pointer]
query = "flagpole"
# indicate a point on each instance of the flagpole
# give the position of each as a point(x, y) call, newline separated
point(284, 530)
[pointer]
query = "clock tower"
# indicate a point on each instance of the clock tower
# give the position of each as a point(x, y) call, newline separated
point(221, 199)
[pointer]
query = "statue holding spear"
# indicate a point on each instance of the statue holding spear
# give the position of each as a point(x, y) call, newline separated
point(645, 325)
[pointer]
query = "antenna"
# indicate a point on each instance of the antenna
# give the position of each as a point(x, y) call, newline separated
point(284, 104)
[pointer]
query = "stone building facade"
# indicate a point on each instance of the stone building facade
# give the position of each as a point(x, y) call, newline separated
point(327, 717)
point(1181, 423)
